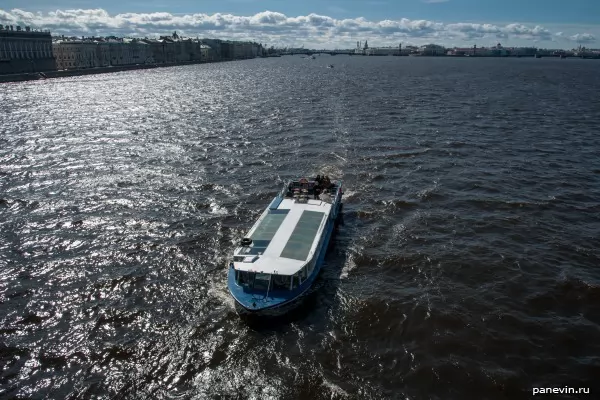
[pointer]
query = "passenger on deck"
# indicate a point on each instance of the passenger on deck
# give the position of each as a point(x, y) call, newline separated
point(325, 196)
point(316, 192)
point(318, 179)
point(326, 182)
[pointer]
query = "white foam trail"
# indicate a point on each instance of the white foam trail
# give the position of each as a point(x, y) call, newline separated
point(348, 193)
point(335, 388)
point(216, 208)
point(340, 157)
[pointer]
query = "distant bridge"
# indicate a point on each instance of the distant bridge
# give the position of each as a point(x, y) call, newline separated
point(311, 52)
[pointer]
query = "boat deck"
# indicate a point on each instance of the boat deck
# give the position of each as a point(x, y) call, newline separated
point(303, 235)
point(286, 236)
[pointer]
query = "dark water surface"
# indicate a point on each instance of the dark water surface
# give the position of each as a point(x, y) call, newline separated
point(467, 265)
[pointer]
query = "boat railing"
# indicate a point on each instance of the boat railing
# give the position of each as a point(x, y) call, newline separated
point(303, 189)
point(285, 189)
point(338, 193)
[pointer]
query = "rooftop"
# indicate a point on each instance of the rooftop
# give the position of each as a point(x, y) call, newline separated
point(285, 238)
point(18, 29)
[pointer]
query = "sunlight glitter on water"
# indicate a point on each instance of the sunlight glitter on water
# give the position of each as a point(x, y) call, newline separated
point(465, 263)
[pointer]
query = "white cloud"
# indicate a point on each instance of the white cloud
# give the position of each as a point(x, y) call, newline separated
point(583, 38)
point(271, 27)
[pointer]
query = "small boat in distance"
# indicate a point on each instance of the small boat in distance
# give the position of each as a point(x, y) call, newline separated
point(279, 259)
point(330, 66)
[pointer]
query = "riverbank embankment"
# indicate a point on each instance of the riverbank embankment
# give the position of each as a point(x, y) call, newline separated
point(32, 76)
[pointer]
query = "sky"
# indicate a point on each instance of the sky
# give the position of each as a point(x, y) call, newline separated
point(324, 23)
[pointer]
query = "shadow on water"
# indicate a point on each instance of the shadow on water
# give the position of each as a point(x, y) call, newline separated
point(314, 306)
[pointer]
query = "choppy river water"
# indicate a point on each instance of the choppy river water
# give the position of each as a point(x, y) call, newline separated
point(466, 266)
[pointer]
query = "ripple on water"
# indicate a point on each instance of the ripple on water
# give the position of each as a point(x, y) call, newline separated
point(465, 265)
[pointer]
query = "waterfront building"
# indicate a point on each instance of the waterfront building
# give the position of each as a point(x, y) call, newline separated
point(167, 49)
point(102, 53)
point(364, 49)
point(207, 53)
point(170, 49)
point(494, 51)
point(462, 51)
point(99, 52)
point(194, 50)
point(156, 49)
point(189, 50)
point(501, 51)
point(231, 50)
point(227, 50)
point(498, 51)
point(238, 50)
point(126, 51)
point(524, 51)
point(254, 50)
point(25, 50)
point(586, 53)
point(432, 50)
point(244, 50)
point(20, 54)
point(215, 48)
point(71, 54)
point(361, 49)
point(412, 49)
point(385, 51)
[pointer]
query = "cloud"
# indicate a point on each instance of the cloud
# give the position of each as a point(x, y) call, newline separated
point(583, 38)
point(279, 29)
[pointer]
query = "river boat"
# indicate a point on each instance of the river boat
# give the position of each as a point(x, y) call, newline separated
point(279, 259)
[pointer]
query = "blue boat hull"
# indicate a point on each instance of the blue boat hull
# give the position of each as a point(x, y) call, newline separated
point(277, 303)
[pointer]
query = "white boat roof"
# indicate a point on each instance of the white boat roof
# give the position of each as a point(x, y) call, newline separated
point(287, 237)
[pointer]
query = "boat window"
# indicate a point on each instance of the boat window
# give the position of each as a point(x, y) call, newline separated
point(261, 281)
point(245, 278)
point(311, 266)
point(302, 274)
point(295, 281)
point(281, 282)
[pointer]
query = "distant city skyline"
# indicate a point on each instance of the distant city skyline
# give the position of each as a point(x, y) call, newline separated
point(331, 24)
